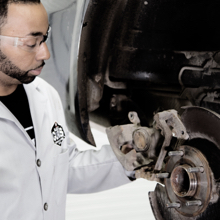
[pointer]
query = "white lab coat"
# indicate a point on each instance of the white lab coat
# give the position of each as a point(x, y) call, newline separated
point(25, 187)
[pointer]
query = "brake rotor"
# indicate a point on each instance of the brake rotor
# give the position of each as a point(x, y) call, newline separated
point(191, 190)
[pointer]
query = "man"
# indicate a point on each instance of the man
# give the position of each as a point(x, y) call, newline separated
point(38, 161)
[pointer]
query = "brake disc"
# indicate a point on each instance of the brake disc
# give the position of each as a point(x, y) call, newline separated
point(191, 191)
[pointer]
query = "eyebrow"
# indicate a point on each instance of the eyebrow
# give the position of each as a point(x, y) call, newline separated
point(35, 34)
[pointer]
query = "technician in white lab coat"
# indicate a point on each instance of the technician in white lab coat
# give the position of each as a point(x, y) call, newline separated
point(37, 170)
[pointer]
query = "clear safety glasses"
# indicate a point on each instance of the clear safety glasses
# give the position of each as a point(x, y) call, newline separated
point(29, 43)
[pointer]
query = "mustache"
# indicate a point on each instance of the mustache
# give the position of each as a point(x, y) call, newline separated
point(43, 63)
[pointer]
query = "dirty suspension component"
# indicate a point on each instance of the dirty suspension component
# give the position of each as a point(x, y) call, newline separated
point(142, 139)
point(164, 121)
point(183, 182)
point(176, 153)
point(173, 205)
point(189, 184)
point(162, 175)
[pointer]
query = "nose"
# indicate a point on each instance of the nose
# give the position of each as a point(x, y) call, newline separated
point(43, 52)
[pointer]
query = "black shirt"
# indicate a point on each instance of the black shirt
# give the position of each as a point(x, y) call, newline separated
point(17, 103)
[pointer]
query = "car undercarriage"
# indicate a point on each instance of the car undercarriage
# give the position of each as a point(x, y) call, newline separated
point(150, 72)
point(152, 69)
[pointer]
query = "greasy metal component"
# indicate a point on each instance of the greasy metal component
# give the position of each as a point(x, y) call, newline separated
point(162, 175)
point(176, 153)
point(173, 205)
point(121, 135)
point(111, 84)
point(133, 117)
point(202, 123)
point(170, 125)
point(190, 187)
point(120, 106)
point(201, 158)
point(183, 182)
point(158, 201)
point(194, 203)
point(195, 170)
point(142, 139)
point(184, 186)
point(116, 139)
point(195, 77)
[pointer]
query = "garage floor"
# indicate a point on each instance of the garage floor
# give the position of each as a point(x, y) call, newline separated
point(128, 202)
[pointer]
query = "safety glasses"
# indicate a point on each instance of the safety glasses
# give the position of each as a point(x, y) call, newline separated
point(29, 43)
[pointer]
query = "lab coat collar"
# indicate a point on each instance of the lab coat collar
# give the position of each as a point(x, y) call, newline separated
point(5, 113)
point(37, 104)
point(34, 97)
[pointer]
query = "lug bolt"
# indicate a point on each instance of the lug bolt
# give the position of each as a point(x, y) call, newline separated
point(194, 203)
point(175, 153)
point(195, 170)
point(162, 175)
point(173, 205)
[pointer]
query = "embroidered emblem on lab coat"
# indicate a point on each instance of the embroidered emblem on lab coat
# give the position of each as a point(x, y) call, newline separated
point(58, 134)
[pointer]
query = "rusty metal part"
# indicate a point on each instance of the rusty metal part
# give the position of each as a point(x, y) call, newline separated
point(196, 169)
point(149, 175)
point(194, 203)
point(190, 190)
point(158, 201)
point(145, 140)
point(142, 139)
point(170, 125)
point(166, 205)
point(133, 117)
point(162, 175)
point(176, 153)
point(173, 205)
point(199, 77)
point(201, 154)
point(184, 186)
point(111, 84)
point(202, 123)
point(118, 136)
point(183, 182)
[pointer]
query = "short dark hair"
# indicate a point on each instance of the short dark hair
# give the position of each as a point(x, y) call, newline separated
point(4, 7)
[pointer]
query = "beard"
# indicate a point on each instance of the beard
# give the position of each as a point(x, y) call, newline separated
point(10, 69)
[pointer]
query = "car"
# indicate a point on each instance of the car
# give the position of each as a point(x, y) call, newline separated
point(149, 71)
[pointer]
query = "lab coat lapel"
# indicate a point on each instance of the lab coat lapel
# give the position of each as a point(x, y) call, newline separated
point(6, 114)
point(37, 103)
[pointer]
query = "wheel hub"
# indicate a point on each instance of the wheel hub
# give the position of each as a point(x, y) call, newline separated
point(190, 182)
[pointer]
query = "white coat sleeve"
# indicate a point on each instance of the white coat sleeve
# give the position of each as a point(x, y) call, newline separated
point(89, 171)
point(93, 171)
